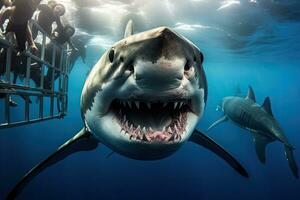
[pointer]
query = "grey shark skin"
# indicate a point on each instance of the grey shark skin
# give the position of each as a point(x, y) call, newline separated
point(259, 119)
point(143, 99)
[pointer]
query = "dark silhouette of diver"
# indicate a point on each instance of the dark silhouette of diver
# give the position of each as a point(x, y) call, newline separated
point(63, 34)
point(20, 13)
point(6, 3)
point(49, 13)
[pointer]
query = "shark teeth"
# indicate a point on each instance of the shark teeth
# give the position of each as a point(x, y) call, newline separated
point(137, 104)
point(173, 132)
point(149, 104)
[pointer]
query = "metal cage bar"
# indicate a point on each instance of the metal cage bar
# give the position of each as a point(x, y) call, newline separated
point(25, 90)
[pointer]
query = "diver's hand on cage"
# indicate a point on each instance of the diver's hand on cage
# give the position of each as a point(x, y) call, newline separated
point(33, 48)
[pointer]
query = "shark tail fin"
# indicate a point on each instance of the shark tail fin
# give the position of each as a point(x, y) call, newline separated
point(219, 121)
point(82, 141)
point(290, 157)
point(129, 29)
point(260, 146)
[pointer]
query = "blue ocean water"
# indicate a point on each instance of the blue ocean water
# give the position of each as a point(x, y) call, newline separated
point(268, 61)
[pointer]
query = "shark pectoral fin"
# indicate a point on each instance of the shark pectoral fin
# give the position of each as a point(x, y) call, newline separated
point(110, 154)
point(82, 141)
point(290, 157)
point(260, 146)
point(219, 121)
point(203, 140)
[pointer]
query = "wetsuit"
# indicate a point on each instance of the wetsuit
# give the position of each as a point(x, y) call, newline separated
point(18, 22)
point(45, 19)
point(3, 3)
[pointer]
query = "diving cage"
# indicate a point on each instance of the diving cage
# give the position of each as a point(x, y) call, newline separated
point(50, 73)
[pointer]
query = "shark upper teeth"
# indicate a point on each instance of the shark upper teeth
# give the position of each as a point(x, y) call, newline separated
point(131, 127)
point(175, 105)
point(180, 104)
point(149, 105)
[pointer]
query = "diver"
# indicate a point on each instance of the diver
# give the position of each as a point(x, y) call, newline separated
point(20, 13)
point(81, 53)
point(49, 13)
point(63, 34)
point(6, 3)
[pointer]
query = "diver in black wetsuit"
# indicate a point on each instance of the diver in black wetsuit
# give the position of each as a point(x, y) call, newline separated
point(20, 14)
point(5, 3)
point(49, 13)
point(63, 34)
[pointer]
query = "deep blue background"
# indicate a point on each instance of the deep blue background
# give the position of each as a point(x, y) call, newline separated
point(191, 173)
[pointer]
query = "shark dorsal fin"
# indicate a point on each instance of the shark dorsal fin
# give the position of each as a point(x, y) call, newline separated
point(250, 94)
point(267, 106)
point(129, 29)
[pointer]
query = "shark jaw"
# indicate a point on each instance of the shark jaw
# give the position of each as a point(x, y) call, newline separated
point(152, 121)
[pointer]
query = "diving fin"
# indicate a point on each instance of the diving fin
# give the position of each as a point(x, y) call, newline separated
point(82, 141)
point(290, 157)
point(260, 142)
point(203, 140)
point(219, 121)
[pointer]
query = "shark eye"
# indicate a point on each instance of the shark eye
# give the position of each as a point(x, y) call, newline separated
point(201, 57)
point(111, 55)
point(187, 66)
point(131, 67)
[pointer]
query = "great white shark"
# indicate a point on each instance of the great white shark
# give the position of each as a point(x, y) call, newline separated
point(260, 121)
point(143, 99)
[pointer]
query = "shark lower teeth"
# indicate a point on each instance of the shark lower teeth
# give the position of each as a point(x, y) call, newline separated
point(171, 133)
point(164, 121)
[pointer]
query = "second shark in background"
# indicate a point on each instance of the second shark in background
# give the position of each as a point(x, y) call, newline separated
point(260, 121)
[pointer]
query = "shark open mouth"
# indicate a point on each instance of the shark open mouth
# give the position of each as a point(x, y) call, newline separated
point(162, 122)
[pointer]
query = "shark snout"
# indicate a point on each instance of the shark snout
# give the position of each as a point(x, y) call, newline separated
point(164, 74)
